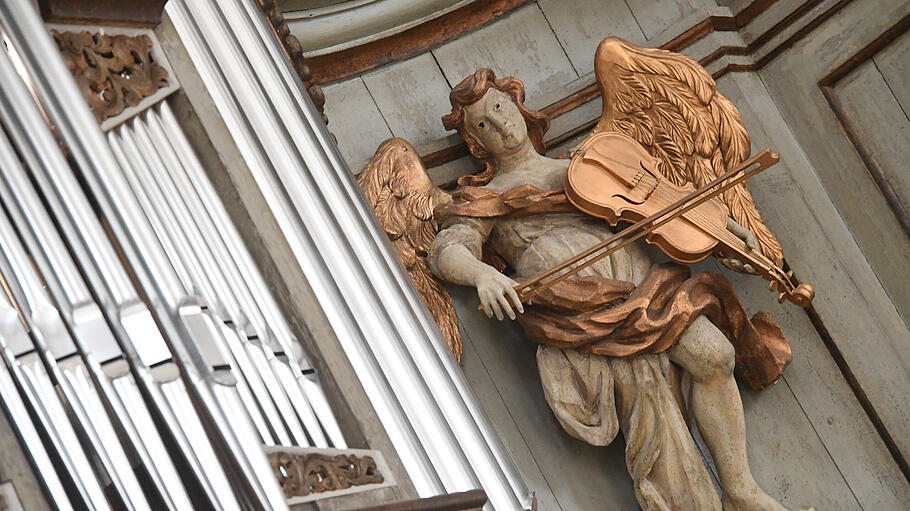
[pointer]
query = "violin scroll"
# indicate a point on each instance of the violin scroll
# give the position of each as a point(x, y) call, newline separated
point(802, 295)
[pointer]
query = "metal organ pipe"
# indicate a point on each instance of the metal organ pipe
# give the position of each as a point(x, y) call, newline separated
point(178, 316)
point(345, 257)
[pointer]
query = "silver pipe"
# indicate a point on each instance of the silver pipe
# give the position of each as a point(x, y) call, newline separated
point(77, 307)
point(366, 218)
point(127, 316)
point(302, 134)
point(262, 300)
point(67, 108)
point(133, 161)
point(64, 364)
point(229, 283)
point(184, 424)
point(272, 400)
point(505, 465)
point(38, 389)
point(17, 411)
point(366, 363)
point(194, 436)
point(329, 180)
point(130, 157)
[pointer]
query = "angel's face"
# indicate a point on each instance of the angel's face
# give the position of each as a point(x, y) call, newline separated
point(495, 121)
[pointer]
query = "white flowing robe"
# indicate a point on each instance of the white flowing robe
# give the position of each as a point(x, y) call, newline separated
point(593, 396)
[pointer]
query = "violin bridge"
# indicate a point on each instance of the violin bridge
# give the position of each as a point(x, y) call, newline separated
point(640, 191)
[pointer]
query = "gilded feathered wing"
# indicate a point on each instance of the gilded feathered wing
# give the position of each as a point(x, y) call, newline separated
point(396, 184)
point(670, 104)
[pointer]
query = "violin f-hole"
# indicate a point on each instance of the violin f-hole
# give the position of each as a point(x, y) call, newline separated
point(623, 197)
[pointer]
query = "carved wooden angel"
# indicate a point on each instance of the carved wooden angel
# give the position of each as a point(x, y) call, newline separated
point(616, 340)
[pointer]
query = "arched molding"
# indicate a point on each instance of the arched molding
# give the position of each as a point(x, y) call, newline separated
point(332, 64)
point(341, 25)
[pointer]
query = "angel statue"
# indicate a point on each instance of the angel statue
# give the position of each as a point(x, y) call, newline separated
point(625, 344)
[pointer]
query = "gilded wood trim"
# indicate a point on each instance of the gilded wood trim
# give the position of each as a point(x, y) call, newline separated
point(699, 30)
point(349, 62)
point(294, 51)
point(764, 37)
point(784, 46)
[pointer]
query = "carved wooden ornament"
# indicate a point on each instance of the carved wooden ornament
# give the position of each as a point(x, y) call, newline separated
point(302, 475)
point(114, 72)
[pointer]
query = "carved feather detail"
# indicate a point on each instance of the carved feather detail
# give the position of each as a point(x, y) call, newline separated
point(396, 185)
point(670, 104)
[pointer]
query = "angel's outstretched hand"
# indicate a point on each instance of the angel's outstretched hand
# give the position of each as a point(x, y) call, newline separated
point(497, 294)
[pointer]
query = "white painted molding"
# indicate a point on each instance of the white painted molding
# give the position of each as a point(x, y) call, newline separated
point(348, 24)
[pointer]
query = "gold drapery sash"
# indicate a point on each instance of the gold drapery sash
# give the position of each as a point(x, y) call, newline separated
point(617, 319)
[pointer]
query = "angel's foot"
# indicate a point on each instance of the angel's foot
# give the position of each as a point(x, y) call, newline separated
point(751, 499)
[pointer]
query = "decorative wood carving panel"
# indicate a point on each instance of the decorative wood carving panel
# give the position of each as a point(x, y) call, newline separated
point(114, 72)
point(302, 475)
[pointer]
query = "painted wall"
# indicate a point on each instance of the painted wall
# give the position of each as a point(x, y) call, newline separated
point(814, 439)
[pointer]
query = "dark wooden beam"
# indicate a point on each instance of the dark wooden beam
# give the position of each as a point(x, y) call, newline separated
point(463, 501)
point(133, 13)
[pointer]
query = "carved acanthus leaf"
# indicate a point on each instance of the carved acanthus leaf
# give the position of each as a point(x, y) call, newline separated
point(114, 72)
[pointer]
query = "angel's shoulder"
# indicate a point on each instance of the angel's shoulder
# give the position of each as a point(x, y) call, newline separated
point(547, 175)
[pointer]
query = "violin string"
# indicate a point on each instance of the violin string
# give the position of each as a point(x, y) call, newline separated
point(725, 236)
point(536, 284)
point(754, 257)
point(721, 234)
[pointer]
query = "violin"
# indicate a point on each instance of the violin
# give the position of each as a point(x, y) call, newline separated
point(613, 177)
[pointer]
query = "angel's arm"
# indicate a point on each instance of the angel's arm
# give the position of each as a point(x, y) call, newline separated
point(455, 256)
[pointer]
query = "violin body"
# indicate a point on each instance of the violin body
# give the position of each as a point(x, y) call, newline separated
point(613, 177)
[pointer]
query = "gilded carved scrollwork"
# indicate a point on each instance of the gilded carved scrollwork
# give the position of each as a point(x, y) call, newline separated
point(114, 72)
point(302, 475)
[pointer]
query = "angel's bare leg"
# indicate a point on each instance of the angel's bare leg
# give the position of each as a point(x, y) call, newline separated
point(707, 355)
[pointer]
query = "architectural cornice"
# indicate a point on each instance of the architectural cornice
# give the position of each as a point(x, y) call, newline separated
point(764, 47)
point(330, 67)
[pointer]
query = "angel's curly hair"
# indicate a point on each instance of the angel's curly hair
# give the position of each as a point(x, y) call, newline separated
point(469, 91)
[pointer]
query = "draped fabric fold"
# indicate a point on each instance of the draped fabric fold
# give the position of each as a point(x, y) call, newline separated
point(614, 318)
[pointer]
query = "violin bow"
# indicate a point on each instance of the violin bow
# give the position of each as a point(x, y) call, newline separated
point(532, 287)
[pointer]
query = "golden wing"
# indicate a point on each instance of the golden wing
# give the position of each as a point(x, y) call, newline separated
point(670, 104)
point(396, 184)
